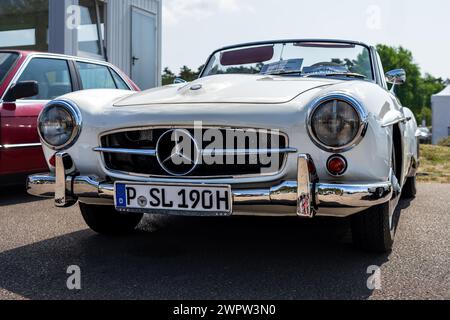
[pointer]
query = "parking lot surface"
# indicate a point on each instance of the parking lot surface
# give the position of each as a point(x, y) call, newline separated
point(220, 258)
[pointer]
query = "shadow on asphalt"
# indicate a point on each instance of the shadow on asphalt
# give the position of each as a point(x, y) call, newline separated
point(10, 195)
point(402, 204)
point(198, 258)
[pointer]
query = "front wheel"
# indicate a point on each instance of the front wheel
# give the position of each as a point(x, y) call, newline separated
point(374, 229)
point(106, 220)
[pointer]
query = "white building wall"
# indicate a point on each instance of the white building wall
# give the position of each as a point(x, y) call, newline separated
point(118, 34)
point(441, 117)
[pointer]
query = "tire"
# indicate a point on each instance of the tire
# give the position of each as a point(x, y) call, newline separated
point(371, 229)
point(106, 220)
point(409, 189)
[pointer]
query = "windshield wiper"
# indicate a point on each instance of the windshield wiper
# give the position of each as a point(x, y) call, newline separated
point(283, 73)
point(336, 74)
point(319, 74)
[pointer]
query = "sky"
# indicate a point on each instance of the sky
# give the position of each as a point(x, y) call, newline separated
point(192, 29)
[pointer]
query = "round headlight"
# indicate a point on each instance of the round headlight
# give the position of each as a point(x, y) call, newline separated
point(336, 123)
point(59, 124)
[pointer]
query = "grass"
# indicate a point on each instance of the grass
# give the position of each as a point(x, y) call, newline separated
point(434, 164)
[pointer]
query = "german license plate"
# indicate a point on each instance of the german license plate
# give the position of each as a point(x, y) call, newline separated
point(206, 200)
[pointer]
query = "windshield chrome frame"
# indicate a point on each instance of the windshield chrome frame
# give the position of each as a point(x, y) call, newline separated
point(376, 76)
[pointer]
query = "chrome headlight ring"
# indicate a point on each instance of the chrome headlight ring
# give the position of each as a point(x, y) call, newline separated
point(355, 104)
point(72, 109)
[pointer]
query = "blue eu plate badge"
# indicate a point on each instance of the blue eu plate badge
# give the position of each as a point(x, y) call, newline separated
point(121, 197)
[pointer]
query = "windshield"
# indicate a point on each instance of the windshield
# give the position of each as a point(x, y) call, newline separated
point(306, 59)
point(7, 60)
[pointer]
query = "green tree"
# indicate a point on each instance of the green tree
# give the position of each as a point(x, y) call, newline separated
point(168, 76)
point(417, 91)
point(425, 114)
point(395, 58)
point(361, 65)
point(188, 74)
point(185, 73)
point(429, 85)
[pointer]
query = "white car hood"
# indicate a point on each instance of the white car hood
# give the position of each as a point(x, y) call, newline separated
point(254, 89)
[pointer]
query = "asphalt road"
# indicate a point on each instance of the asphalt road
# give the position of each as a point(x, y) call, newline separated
point(220, 258)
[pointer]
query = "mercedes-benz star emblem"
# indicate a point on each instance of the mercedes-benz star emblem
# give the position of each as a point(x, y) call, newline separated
point(177, 152)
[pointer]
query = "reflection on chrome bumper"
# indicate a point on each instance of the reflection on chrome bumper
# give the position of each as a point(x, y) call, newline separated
point(303, 197)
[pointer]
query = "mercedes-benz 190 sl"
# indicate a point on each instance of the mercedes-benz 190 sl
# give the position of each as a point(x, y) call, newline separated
point(277, 128)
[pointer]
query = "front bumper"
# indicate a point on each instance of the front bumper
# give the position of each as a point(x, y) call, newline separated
point(304, 197)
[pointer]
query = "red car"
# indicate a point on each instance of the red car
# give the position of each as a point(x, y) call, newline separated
point(28, 80)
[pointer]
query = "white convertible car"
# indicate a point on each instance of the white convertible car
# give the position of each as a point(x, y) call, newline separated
point(278, 128)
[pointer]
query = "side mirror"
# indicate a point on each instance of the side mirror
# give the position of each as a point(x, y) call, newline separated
point(23, 89)
point(179, 80)
point(396, 77)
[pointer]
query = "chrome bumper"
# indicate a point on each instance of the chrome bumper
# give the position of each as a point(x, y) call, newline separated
point(303, 197)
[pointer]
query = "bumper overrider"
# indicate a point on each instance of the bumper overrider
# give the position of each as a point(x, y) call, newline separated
point(303, 197)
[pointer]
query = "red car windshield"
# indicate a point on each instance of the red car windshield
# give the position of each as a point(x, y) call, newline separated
point(7, 60)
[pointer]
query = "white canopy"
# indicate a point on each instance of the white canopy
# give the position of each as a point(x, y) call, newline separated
point(441, 115)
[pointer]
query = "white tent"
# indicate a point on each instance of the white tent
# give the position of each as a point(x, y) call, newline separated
point(441, 115)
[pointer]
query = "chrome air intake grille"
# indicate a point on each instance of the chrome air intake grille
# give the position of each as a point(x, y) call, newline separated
point(137, 152)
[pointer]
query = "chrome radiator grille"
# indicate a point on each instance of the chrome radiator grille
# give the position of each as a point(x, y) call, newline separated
point(136, 152)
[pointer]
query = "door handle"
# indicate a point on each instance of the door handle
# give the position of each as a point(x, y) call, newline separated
point(134, 60)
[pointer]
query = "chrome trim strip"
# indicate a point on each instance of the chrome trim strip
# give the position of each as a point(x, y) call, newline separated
point(353, 195)
point(205, 152)
point(140, 152)
point(26, 101)
point(363, 116)
point(230, 179)
point(238, 152)
point(169, 127)
point(20, 145)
